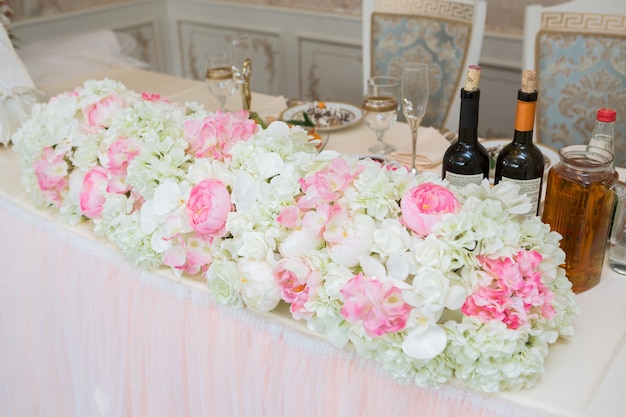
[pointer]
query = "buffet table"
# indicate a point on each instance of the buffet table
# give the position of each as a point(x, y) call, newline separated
point(85, 333)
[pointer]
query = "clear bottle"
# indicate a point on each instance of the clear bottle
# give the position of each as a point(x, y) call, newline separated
point(466, 160)
point(603, 134)
point(521, 161)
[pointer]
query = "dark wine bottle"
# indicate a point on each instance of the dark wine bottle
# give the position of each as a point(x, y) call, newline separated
point(521, 161)
point(466, 160)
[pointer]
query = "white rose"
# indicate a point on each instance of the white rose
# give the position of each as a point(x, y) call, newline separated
point(254, 247)
point(238, 222)
point(390, 238)
point(224, 283)
point(259, 289)
point(358, 242)
point(299, 243)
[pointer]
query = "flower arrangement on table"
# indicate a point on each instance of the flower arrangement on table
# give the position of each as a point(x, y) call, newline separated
point(432, 283)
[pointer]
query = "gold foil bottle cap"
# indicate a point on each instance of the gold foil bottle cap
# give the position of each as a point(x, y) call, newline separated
point(529, 81)
point(473, 78)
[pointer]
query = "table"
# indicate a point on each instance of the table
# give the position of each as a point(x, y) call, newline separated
point(85, 333)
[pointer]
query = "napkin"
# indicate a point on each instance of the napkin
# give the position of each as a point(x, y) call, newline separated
point(431, 145)
point(268, 106)
point(17, 90)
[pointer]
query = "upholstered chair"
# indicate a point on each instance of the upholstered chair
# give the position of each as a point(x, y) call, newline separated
point(579, 52)
point(445, 34)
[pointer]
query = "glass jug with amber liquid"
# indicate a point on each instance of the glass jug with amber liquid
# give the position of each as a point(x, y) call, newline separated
point(579, 204)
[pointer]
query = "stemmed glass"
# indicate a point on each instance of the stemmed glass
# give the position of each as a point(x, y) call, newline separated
point(240, 50)
point(241, 53)
point(219, 77)
point(414, 99)
point(380, 109)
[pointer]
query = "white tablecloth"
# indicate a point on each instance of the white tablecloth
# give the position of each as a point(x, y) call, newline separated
point(84, 333)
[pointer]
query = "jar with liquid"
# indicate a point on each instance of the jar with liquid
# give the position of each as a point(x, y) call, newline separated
point(580, 195)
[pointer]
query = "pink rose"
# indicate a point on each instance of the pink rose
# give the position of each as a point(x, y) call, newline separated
point(92, 196)
point(191, 255)
point(100, 114)
point(424, 205)
point(51, 171)
point(207, 208)
point(379, 306)
point(214, 135)
point(515, 295)
point(327, 184)
point(120, 153)
point(289, 217)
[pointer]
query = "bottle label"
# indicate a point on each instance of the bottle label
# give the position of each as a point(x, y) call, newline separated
point(529, 187)
point(461, 180)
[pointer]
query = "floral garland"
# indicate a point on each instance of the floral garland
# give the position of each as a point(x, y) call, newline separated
point(434, 284)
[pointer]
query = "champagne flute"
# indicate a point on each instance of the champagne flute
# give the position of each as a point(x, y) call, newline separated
point(240, 50)
point(414, 99)
point(380, 109)
point(219, 77)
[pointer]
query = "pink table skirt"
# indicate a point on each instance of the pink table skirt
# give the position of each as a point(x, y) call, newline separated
point(84, 333)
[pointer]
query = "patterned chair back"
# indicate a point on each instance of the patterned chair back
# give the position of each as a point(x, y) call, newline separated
point(580, 56)
point(445, 34)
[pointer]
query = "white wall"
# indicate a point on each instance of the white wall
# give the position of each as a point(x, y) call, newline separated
point(299, 54)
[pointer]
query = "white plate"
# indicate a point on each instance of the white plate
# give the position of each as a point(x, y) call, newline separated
point(495, 145)
point(348, 113)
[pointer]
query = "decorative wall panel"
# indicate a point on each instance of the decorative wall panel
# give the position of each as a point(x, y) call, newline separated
point(148, 45)
point(198, 40)
point(329, 69)
point(503, 16)
point(302, 49)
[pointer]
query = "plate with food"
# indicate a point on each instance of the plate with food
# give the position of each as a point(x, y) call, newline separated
point(494, 146)
point(325, 116)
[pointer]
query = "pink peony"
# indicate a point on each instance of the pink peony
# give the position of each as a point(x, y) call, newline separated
point(424, 205)
point(92, 194)
point(378, 305)
point(298, 282)
point(207, 207)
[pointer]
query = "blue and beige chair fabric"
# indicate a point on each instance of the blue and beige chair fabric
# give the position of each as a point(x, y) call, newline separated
point(579, 52)
point(446, 35)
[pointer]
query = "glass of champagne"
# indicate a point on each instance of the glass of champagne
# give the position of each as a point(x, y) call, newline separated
point(415, 92)
point(380, 109)
point(219, 77)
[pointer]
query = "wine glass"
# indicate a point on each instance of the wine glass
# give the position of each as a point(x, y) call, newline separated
point(414, 99)
point(240, 50)
point(219, 77)
point(380, 109)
